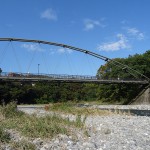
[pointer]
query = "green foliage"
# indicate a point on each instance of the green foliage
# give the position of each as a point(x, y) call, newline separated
point(42, 93)
point(124, 92)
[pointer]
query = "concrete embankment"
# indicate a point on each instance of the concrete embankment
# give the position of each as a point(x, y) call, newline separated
point(139, 110)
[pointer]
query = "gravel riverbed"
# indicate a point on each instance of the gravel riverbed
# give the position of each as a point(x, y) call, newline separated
point(113, 132)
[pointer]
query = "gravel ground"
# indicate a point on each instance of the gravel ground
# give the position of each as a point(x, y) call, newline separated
point(114, 132)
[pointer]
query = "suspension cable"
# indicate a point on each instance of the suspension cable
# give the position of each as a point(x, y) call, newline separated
point(4, 52)
point(30, 62)
point(15, 55)
point(112, 62)
point(44, 60)
point(69, 64)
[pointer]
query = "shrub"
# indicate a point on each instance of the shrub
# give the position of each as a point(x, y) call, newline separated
point(10, 110)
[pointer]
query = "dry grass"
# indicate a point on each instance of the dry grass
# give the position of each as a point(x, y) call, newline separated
point(74, 109)
point(23, 145)
point(35, 127)
point(71, 108)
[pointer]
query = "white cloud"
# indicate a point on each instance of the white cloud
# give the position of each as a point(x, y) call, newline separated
point(135, 33)
point(49, 14)
point(64, 50)
point(121, 43)
point(61, 50)
point(91, 24)
point(69, 51)
point(32, 47)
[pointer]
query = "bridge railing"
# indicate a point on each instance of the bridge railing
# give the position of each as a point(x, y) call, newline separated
point(41, 75)
point(18, 75)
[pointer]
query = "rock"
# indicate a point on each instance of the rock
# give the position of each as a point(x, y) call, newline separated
point(37, 142)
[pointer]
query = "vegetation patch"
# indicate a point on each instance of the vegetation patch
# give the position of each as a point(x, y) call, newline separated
point(23, 145)
point(4, 136)
point(72, 108)
point(35, 127)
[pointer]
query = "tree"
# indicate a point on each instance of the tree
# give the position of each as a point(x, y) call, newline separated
point(123, 92)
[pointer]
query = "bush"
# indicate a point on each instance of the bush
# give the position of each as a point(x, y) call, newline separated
point(10, 110)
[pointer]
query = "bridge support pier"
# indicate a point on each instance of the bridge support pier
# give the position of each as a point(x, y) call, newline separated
point(143, 98)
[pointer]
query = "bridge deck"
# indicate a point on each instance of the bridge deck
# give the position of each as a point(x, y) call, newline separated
point(70, 80)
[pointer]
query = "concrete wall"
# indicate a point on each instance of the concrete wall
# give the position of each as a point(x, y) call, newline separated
point(143, 98)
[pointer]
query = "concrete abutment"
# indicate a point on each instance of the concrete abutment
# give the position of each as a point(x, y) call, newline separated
point(143, 98)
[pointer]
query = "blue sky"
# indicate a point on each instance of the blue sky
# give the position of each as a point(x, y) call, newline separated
point(113, 28)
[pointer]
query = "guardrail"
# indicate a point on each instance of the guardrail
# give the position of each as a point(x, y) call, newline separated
point(13, 76)
point(41, 75)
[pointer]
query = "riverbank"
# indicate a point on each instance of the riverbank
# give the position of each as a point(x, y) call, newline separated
point(103, 132)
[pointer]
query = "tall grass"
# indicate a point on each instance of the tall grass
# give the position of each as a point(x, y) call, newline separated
point(35, 127)
point(10, 111)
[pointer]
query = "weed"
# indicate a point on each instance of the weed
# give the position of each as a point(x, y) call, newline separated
point(23, 145)
point(35, 127)
point(80, 121)
point(45, 127)
point(4, 136)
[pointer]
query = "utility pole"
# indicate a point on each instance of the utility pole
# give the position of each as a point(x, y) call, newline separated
point(38, 68)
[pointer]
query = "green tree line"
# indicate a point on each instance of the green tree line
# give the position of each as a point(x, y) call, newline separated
point(26, 93)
